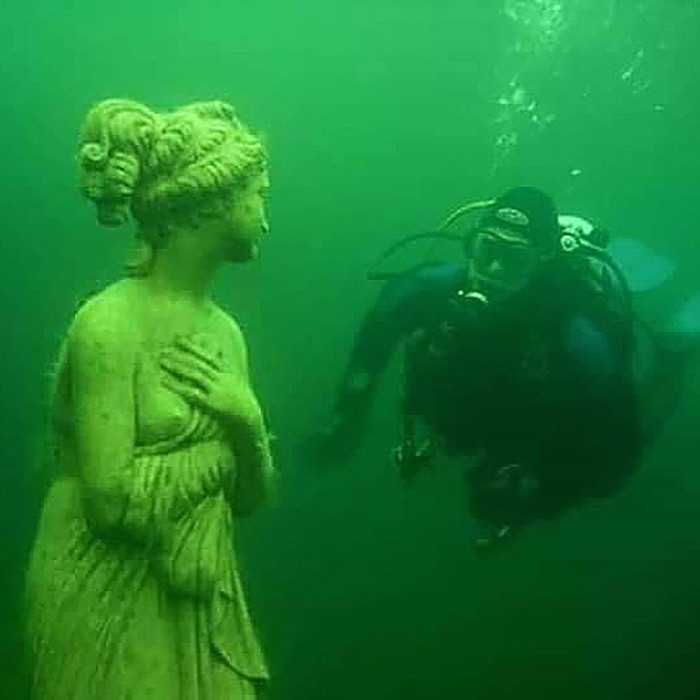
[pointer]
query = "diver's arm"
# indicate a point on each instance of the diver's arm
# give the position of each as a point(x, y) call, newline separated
point(399, 310)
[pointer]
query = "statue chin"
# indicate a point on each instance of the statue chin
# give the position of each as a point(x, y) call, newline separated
point(244, 251)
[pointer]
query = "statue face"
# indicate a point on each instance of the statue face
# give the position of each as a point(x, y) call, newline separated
point(246, 221)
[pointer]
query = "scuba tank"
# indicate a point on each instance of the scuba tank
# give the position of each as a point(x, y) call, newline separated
point(586, 246)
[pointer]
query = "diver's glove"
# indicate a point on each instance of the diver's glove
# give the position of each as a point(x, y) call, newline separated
point(411, 458)
point(504, 500)
point(487, 545)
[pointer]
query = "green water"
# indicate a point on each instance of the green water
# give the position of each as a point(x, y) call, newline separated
point(381, 116)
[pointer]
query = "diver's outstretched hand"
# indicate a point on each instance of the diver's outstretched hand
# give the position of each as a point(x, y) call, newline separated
point(488, 545)
point(411, 459)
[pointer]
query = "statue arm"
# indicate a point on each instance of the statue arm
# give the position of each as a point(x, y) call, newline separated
point(255, 471)
point(101, 352)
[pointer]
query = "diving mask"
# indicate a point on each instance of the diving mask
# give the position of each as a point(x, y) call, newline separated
point(502, 260)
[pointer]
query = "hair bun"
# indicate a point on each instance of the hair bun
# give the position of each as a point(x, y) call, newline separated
point(116, 138)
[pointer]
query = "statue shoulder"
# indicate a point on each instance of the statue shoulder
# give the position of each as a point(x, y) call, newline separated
point(104, 323)
point(231, 334)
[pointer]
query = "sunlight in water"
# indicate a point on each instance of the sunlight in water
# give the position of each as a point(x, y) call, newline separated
point(542, 34)
point(538, 26)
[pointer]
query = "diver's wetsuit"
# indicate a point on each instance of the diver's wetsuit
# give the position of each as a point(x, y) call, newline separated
point(543, 381)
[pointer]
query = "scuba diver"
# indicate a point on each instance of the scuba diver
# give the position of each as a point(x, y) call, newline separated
point(519, 359)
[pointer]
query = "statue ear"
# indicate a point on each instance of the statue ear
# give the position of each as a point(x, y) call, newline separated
point(203, 214)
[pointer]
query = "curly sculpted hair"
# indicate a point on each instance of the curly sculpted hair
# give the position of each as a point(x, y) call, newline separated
point(136, 163)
